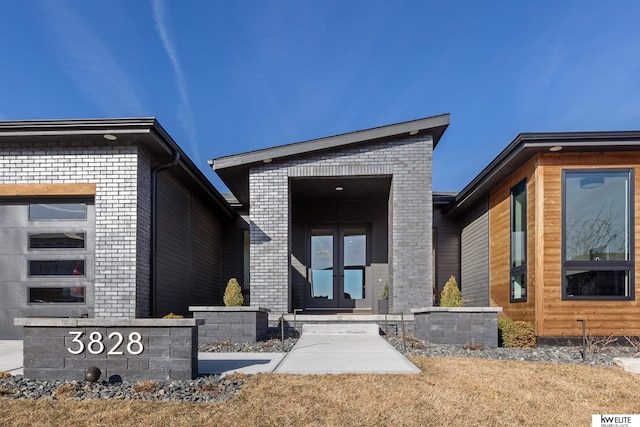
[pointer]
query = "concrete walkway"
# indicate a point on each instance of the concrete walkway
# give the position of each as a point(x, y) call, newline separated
point(344, 348)
point(321, 349)
point(11, 356)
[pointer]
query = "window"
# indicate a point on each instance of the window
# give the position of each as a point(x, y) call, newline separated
point(59, 267)
point(57, 211)
point(518, 271)
point(597, 239)
point(57, 295)
point(56, 241)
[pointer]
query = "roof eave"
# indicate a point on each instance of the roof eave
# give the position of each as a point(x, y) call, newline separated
point(437, 125)
point(526, 145)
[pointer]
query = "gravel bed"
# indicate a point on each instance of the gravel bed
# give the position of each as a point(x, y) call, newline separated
point(269, 346)
point(211, 388)
point(548, 354)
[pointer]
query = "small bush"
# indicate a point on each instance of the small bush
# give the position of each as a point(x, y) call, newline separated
point(385, 292)
point(451, 295)
point(4, 374)
point(519, 334)
point(173, 316)
point(503, 323)
point(233, 294)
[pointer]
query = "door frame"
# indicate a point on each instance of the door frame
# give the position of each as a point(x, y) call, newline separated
point(339, 302)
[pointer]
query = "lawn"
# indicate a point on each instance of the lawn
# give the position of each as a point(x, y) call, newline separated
point(449, 391)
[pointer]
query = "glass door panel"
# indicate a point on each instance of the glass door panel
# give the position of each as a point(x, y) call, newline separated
point(322, 270)
point(354, 250)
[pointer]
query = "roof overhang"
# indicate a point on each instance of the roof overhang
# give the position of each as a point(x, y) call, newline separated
point(234, 170)
point(526, 145)
point(145, 131)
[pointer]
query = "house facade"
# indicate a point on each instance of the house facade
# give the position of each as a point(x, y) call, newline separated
point(548, 232)
point(106, 219)
point(334, 220)
point(110, 219)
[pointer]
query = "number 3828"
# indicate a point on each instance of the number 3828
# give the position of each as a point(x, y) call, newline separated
point(95, 345)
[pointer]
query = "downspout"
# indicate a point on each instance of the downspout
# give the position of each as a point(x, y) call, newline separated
point(154, 225)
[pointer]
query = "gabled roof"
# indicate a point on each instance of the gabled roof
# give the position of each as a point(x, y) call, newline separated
point(234, 170)
point(145, 131)
point(526, 145)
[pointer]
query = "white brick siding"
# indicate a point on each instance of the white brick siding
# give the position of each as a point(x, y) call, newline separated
point(113, 169)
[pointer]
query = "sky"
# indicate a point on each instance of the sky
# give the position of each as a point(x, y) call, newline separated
point(226, 77)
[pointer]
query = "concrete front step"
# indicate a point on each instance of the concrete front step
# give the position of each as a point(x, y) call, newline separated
point(340, 318)
point(340, 329)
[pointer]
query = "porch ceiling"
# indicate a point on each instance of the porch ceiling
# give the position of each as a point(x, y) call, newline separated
point(353, 188)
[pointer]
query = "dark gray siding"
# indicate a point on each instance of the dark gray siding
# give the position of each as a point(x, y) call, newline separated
point(233, 256)
point(474, 279)
point(188, 250)
point(446, 233)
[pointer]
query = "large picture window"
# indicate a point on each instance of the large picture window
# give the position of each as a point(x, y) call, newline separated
point(597, 238)
point(519, 242)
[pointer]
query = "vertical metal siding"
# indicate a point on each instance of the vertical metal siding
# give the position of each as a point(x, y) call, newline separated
point(188, 257)
point(474, 258)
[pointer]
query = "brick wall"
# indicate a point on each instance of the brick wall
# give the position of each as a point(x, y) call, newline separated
point(233, 324)
point(460, 325)
point(113, 169)
point(408, 160)
point(164, 349)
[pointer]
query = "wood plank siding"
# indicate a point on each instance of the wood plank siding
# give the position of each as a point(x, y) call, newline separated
point(500, 244)
point(554, 317)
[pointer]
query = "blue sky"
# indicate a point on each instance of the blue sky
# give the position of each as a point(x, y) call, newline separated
point(225, 77)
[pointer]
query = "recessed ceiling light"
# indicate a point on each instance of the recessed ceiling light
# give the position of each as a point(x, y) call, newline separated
point(267, 160)
point(109, 137)
point(414, 132)
point(555, 148)
point(339, 188)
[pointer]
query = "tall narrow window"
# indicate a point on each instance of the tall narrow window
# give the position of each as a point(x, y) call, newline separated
point(597, 238)
point(519, 242)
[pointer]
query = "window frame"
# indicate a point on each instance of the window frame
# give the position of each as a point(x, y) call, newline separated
point(56, 201)
point(599, 265)
point(521, 270)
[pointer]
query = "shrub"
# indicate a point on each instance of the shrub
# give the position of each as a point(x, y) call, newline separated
point(503, 323)
point(451, 295)
point(173, 316)
point(518, 333)
point(4, 374)
point(385, 292)
point(233, 294)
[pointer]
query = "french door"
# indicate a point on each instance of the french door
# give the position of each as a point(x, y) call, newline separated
point(337, 267)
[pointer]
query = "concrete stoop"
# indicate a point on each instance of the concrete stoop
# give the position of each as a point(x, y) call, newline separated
point(341, 328)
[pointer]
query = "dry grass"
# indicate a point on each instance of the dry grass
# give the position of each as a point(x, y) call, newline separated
point(144, 386)
point(64, 391)
point(4, 374)
point(450, 391)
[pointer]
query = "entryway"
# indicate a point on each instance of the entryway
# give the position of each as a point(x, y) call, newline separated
point(338, 267)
